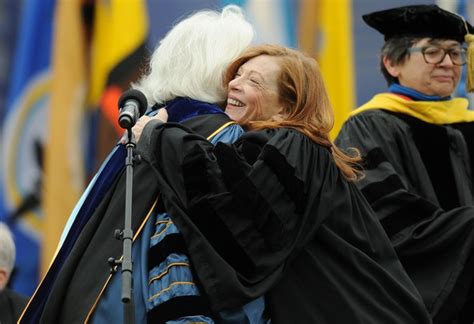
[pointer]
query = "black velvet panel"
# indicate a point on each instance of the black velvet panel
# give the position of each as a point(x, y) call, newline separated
point(377, 190)
point(194, 171)
point(467, 129)
point(158, 253)
point(373, 159)
point(204, 215)
point(251, 143)
point(434, 147)
point(220, 237)
point(293, 186)
point(411, 213)
point(249, 200)
point(179, 307)
point(231, 164)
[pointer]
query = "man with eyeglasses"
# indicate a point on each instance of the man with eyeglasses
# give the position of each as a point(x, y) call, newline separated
point(418, 148)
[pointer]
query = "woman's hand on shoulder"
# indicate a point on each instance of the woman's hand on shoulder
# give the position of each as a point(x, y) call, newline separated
point(161, 116)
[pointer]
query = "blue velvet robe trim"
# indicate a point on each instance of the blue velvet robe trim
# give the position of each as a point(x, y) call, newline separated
point(181, 109)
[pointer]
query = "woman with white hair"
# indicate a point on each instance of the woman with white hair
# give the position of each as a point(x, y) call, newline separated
point(186, 77)
point(11, 303)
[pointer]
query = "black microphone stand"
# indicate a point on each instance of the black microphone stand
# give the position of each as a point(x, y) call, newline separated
point(132, 105)
point(126, 235)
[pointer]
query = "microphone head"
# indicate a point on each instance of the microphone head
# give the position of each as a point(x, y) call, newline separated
point(136, 95)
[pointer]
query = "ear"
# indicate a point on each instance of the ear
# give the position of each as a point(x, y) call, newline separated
point(391, 68)
point(280, 114)
point(281, 109)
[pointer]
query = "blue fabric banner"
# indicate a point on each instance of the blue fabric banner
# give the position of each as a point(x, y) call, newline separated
point(23, 132)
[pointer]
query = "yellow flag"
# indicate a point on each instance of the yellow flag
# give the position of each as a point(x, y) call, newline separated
point(120, 27)
point(118, 52)
point(325, 32)
point(64, 171)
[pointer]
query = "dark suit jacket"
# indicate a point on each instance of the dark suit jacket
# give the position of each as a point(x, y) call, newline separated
point(11, 306)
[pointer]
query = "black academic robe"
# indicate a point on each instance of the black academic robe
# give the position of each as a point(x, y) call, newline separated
point(11, 306)
point(418, 179)
point(85, 272)
point(272, 215)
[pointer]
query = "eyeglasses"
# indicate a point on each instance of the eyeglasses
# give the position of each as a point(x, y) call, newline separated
point(436, 55)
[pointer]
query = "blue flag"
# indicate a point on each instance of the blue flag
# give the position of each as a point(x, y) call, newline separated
point(23, 134)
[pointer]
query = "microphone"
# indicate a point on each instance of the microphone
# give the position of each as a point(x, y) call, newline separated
point(132, 105)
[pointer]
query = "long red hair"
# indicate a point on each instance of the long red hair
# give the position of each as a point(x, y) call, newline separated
point(304, 99)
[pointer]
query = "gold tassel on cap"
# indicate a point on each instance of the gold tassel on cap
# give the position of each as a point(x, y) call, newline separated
point(469, 38)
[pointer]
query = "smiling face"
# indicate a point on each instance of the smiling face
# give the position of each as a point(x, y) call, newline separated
point(253, 92)
point(430, 79)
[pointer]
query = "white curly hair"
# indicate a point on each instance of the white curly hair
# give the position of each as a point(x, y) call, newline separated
point(190, 61)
